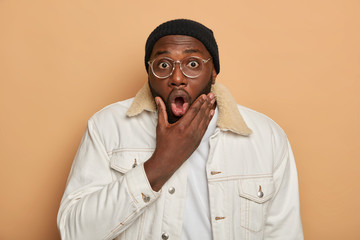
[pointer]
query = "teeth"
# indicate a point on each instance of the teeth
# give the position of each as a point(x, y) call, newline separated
point(179, 110)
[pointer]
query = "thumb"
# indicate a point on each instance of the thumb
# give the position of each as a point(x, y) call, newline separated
point(162, 115)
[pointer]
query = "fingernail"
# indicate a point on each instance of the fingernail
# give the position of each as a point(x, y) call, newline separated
point(157, 101)
point(211, 95)
point(212, 101)
point(212, 112)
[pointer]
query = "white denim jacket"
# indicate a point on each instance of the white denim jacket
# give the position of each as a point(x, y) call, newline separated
point(252, 178)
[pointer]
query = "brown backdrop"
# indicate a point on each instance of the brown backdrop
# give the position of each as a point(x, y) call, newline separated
point(61, 61)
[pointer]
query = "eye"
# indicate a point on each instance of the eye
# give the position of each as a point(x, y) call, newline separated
point(193, 64)
point(163, 65)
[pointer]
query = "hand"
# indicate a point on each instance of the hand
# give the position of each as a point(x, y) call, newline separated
point(176, 142)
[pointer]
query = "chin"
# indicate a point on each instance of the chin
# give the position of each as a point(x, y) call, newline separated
point(171, 117)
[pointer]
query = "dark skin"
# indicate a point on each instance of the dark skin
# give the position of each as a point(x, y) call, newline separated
point(175, 142)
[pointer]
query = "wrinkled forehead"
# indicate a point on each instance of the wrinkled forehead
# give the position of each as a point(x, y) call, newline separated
point(179, 44)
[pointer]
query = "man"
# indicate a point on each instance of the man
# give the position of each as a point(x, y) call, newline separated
point(181, 160)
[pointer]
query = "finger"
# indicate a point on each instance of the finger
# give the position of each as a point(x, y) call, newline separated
point(162, 115)
point(193, 110)
point(204, 112)
point(205, 121)
point(210, 96)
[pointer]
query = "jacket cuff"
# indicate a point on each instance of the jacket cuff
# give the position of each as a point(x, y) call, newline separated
point(139, 187)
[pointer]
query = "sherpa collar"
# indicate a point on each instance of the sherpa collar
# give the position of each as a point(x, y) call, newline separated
point(229, 115)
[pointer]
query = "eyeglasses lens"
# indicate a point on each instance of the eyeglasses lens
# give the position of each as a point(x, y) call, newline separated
point(190, 66)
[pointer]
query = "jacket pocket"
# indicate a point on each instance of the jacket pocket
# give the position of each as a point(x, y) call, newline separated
point(123, 160)
point(255, 194)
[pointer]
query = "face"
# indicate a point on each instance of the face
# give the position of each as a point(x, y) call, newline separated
point(178, 91)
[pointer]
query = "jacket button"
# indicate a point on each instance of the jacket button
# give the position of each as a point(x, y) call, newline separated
point(260, 192)
point(171, 190)
point(135, 163)
point(145, 198)
point(165, 236)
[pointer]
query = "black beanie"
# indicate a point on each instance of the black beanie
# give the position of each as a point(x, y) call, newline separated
point(188, 28)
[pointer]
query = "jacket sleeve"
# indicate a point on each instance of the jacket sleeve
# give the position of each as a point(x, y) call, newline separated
point(96, 205)
point(283, 218)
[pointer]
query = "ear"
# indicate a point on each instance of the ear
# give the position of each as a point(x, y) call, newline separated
point(214, 75)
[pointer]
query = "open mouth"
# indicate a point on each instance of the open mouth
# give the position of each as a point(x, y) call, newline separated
point(179, 100)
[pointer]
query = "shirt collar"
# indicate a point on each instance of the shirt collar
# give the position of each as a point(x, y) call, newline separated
point(229, 118)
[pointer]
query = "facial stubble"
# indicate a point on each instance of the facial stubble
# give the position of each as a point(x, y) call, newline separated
point(171, 118)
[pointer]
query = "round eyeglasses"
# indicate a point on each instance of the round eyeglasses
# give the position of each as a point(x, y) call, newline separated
point(191, 67)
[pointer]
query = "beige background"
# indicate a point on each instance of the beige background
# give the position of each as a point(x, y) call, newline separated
point(61, 61)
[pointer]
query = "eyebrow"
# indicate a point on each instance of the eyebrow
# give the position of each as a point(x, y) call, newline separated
point(192, 51)
point(186, 51)
point(160, 52)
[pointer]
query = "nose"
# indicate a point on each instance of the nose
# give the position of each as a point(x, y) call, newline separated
point(178, 78)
